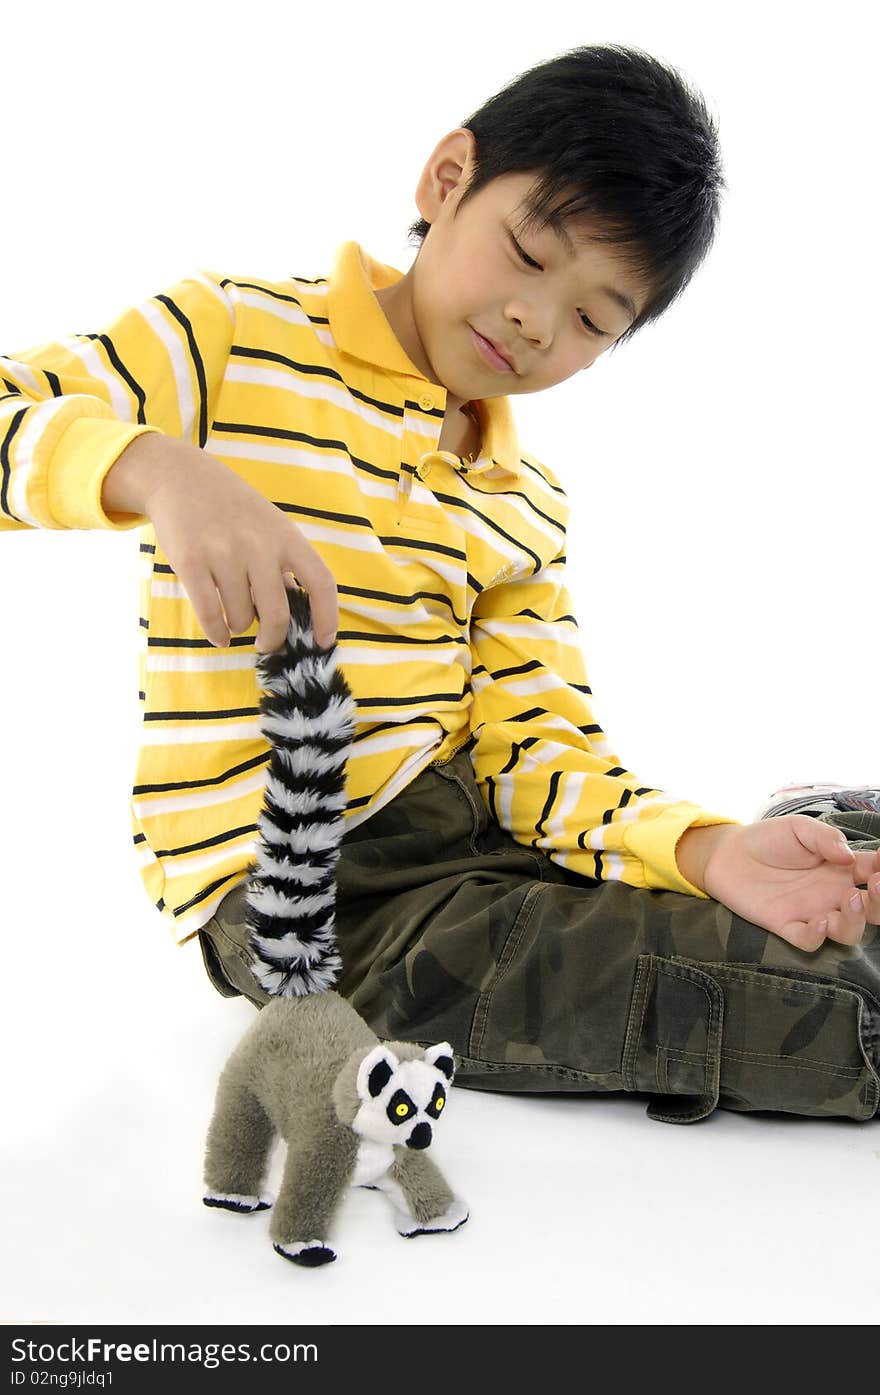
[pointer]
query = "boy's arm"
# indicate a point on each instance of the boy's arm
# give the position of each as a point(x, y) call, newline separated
point(546, 771)
point(68, 409)
point(694, 848)
point(543, 763)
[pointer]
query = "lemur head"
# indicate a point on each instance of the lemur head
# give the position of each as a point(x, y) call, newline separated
point(401, 1093)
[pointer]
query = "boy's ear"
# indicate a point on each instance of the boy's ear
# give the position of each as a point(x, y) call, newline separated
point(374, 1072)
point(442, 1057)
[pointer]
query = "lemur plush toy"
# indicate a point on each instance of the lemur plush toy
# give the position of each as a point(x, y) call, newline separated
point(353, 1111)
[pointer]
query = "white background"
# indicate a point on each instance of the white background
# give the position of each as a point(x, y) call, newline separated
point(722, 470)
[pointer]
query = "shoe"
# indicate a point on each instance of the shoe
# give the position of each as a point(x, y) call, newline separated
point(819, 799)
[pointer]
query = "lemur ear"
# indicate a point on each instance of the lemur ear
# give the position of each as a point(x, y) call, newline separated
point(442, 1057)
point(375, 1070)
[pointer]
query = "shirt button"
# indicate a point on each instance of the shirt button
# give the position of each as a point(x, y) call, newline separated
point(426, 402)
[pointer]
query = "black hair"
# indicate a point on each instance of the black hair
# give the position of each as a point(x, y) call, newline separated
point(617, 139)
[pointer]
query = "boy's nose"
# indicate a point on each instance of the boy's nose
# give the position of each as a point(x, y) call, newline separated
point(534, 328)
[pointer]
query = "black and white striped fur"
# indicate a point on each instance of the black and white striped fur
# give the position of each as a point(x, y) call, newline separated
point(307, 715)
point(309, 1069)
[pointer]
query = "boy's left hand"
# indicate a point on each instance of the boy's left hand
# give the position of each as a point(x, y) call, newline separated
point(789, 874)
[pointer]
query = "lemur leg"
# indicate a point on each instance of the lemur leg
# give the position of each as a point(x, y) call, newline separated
point(422, 1198)
point(319, 1167)
point(237, 1148)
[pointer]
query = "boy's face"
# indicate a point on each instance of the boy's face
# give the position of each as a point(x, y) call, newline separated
point(471, 279)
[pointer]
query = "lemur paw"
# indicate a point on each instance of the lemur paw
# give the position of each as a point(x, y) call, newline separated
point(309, 1253)
point(237, 1201)
point(454, 1216)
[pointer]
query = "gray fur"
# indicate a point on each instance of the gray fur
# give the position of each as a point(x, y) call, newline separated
point(309, 1070)
point(426, 1191)
point(293, 1075)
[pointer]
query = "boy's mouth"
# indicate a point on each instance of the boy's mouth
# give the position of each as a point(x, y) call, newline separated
point(490, 354)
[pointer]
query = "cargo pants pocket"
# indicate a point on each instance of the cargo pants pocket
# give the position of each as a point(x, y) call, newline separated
point(749, 1037)
point(672, 1046)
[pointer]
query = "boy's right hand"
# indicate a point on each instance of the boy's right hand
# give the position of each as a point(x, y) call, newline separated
point(794, 876)
point(230, 548)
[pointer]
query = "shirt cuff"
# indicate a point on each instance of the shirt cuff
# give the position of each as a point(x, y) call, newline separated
point(653, 842)
point(81, 460)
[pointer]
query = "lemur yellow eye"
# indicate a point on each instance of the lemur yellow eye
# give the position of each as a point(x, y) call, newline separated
point(438, 1099)
point(402, 1110)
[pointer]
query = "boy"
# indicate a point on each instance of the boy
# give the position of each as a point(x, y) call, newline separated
point(505, 882)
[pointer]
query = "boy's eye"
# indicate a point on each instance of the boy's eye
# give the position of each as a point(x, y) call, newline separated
point(530, 261)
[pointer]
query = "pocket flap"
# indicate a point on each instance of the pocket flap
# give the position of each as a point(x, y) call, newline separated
point(673, 1038)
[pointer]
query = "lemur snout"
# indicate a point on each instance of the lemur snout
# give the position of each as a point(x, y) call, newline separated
point(420, 1137)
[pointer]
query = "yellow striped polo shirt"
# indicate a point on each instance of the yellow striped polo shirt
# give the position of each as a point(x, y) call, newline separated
point(455, 622)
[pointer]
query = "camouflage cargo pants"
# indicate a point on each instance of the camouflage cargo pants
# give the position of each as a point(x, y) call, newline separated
point(545, 980)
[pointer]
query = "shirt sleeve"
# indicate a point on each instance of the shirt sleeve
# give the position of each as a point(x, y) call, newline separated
point(69, 408)
point(544, 766)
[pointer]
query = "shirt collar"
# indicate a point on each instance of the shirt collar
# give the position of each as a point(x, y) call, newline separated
point(359, 327)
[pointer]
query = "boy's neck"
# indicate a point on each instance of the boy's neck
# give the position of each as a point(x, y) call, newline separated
point(396, 305)
point(461, 427)
point(461, 432)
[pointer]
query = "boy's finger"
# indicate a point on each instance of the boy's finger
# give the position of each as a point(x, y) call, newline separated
point(837, 848)
point(804, 935)
point(313, 576)
point(273, 610)
point(847, 926)
point(205, 599)
point(821, 838)
point(865, 865)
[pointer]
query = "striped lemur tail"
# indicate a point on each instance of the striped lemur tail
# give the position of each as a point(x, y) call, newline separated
point(307, 715)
